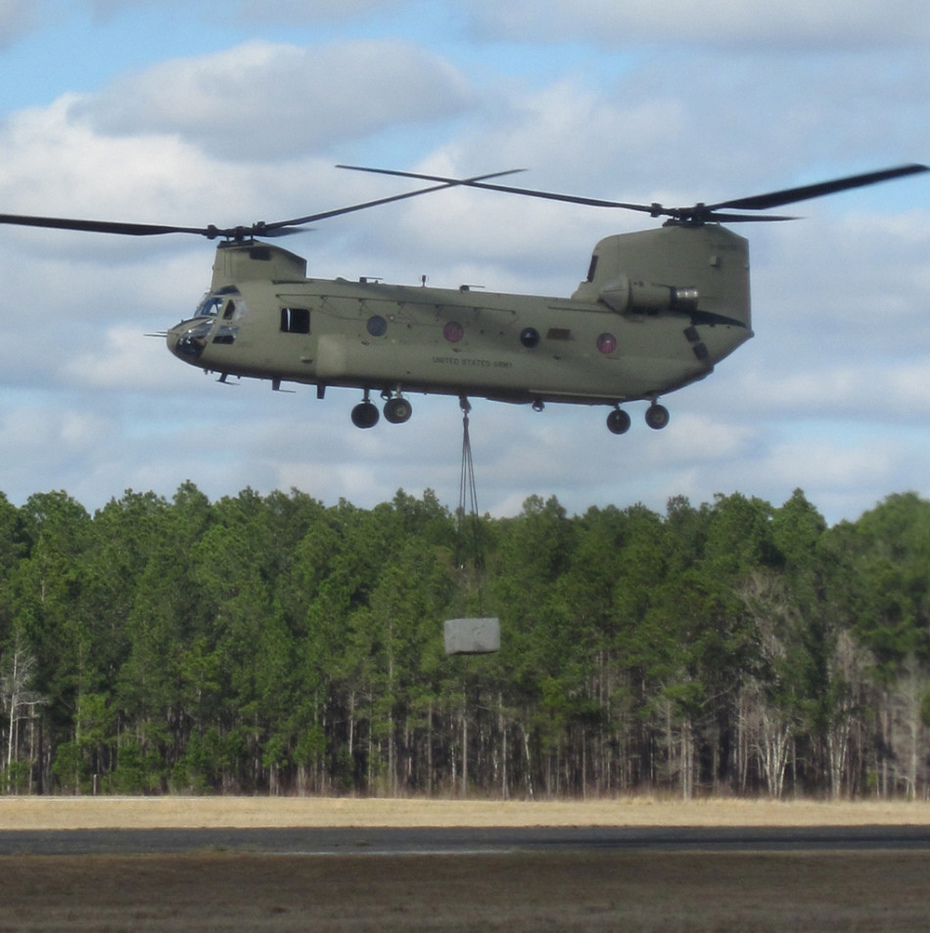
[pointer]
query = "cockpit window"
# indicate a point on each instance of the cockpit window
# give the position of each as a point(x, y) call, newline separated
point(221, 301)
point(210, 306)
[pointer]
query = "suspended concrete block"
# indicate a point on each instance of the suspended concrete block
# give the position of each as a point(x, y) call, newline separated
point(472, 636)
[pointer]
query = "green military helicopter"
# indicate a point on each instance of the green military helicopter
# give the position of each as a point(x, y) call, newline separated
point(657, 311)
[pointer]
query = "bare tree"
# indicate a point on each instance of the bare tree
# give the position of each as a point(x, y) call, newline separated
point(908, 737)
point(19, 700)
point(766, 698)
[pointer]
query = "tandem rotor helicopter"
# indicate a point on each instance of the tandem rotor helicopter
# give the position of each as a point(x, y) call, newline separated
point(657, 311)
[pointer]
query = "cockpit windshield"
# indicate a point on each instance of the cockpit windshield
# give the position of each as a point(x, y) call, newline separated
point(222, 301)
point(210, 306)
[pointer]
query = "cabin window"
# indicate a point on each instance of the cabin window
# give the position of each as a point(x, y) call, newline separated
point(295, 320)
point(376, 326)
point(453, 332)
point(529, 337)
point(607, 343)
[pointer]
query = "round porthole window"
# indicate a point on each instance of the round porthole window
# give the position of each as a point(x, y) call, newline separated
point(377, 326)
point(607, 343)
point(529, 337)
point(453, 332)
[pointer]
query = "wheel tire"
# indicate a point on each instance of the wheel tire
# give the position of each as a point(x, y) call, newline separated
point(397, 410)
point(618, 422)
point(365, 415)
point(657, 417)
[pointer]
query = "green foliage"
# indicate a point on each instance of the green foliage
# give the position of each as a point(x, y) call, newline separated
point(270, 644)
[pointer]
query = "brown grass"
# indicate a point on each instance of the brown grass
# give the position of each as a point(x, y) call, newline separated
point(276, 812)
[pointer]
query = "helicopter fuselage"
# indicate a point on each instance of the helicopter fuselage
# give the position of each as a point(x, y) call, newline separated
point(658, 310)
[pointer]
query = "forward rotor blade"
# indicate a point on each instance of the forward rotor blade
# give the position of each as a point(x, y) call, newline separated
point(211, 232)
point(323, 215)
point(761, 202)
point(529, 192)
point(104, 226)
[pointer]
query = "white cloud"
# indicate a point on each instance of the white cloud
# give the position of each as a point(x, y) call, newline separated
point(301, 11)
point(16, 18)
point(270, 102)
point(829, 24)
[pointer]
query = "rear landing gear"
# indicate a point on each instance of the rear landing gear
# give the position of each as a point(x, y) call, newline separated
point(397, 410)
point(618, 421)
point(657, 416)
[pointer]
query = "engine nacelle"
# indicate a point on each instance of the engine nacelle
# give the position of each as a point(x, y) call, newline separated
point(701, 270)
point(625, 296)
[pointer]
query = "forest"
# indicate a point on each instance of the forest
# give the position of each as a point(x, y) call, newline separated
point(274, 645)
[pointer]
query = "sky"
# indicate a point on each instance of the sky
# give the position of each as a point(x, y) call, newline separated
point(191, 112)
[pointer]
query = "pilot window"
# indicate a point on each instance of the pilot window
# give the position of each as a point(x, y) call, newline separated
point(209, 307)
point(295, 320)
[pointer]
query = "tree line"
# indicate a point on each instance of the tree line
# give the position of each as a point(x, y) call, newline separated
point(271, 644)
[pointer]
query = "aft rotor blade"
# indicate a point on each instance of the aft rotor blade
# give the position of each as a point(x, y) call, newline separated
point(698, 213)
point(323, 215)
point(761, 202)
point(529, 192)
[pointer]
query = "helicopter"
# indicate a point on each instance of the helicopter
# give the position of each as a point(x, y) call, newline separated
point(656, 312)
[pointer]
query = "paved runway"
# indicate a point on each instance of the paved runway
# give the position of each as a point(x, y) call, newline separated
point(459, 841)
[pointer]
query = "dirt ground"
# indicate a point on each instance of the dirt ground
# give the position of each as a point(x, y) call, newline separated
point(637, 892)
point(519, 893)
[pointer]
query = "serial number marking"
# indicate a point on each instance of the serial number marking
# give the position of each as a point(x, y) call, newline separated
point(464, 361)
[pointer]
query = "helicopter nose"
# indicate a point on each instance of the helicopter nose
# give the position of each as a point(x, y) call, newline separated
point(188, 340)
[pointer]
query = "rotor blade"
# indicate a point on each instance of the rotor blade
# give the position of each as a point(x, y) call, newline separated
point(278, 228)
point(761, 202)
point(715, 217)
point(104, 226)
point(699, 213)
point(654, 209)
point(269, 229)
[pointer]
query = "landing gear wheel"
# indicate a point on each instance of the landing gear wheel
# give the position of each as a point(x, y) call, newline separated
point(618, 421)
point(397, 410)
point(365, 415)
point(657, 416)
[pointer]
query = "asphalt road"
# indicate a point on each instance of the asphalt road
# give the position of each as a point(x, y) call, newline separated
point(460, 841)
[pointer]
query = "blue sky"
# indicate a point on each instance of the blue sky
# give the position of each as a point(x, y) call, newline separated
point(194, 113)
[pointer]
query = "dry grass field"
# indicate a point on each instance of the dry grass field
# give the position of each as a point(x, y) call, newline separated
point(639, 892)
point(253, 812)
